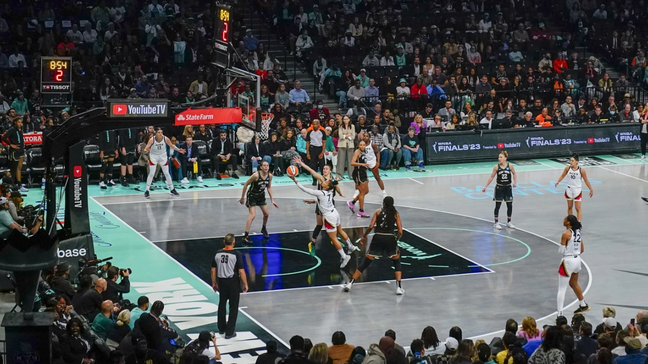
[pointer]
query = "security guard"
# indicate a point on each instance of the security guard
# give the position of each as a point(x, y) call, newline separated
point(227, 274)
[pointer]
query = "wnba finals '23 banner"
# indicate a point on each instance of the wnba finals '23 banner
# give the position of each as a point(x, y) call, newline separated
point(532, 142)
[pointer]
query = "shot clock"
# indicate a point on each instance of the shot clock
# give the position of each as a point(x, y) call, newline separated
point(56, 75)
point(222, 35)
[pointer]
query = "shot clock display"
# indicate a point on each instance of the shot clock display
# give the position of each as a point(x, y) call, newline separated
point(56, 75)
point(222, 36)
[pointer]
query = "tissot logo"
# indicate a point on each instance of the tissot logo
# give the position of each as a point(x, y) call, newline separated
point(119, 109)
point(77, 171)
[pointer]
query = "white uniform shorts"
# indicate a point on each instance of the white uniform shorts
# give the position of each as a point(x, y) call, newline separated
point(569, 266)
point(331, 221)
point(573, 193)
point(158, 160)
point(371, 164)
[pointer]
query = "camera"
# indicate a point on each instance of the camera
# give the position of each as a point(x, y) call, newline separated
point(122, 271)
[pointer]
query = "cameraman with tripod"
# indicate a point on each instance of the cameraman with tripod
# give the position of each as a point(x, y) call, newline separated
point(115, 290)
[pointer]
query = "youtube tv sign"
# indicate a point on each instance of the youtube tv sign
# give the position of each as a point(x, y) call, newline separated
point(138, 108)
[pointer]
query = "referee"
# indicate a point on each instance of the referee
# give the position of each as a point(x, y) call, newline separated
point(227, 273)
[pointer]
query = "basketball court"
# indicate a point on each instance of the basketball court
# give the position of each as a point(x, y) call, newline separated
point(457, 269)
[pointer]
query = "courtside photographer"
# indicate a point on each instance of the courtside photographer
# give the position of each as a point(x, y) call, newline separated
point(115, 290)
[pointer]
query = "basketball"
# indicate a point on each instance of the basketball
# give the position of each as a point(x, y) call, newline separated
point(292, 171)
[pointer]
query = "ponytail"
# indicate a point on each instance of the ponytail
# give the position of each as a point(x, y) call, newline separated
point(390, 210)
point(573, 221)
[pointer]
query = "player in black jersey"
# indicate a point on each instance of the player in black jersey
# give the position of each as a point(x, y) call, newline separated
point(388, 229)
point(360, 177)
point(321, 178)
point(259, 183)
point(506, 180)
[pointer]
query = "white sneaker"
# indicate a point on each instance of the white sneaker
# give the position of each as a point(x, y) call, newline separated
point(400, 291)
point(643, 157)
point(345, 261)
point(184, 181)
point(102, 185)
point(384, 193)
point(510, 225)
point(351, 248)
point(347, 287)
point(199, 179)
point(497, 226)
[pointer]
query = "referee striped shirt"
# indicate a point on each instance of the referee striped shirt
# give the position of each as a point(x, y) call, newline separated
point(227, 263)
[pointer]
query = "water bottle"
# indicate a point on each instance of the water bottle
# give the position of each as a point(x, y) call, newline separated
point(43, 183)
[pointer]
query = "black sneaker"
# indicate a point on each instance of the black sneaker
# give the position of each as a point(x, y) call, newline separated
point(174, 192)
point(124, 182)
point(264, 231)
point(218, 177)
point(235, 176)
point(147, 194)
point(246, 240)
point(227, 337)
point(111, 183)
point(582, 309)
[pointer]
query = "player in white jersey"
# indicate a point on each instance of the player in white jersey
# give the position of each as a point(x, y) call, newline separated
point(571, 247)
point(574, 191)
point(156, 146)
point(330, 216)
point(372, 156)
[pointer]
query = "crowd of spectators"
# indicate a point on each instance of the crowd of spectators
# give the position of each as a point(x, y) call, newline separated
point(95, 323)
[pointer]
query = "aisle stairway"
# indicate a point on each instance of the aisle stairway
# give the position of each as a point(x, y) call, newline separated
point(253, 20)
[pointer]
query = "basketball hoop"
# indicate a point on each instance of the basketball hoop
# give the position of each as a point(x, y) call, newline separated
point(266, 119)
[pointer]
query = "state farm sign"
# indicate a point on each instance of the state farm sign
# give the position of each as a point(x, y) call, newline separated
point(209, 116)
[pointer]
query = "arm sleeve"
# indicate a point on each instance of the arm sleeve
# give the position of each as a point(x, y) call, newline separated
point(307, 190)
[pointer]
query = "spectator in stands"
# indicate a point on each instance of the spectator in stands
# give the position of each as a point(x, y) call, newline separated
point(223, 153)
point(199, 87)
point(74, 345)
point(17, 59)
point(61, 282)
point(255, 153)
point(272, 152)
point(103, 322)
point(487, 120)
point(392, 153)
point(412, 149)
point(529, 330)
point(143, 353)
point(355, 93)
point(319, 111)
point(299, 98)
point(330, 151)
point(340, 351)
point(304, 44)
point(154, 327)
point(142, 306)
point(191, 158)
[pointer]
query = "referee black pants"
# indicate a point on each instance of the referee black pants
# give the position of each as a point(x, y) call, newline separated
point(316, 163)
point(229, 289)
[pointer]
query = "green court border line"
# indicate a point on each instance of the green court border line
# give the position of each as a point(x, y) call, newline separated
point(319, 261)
point(528, 252)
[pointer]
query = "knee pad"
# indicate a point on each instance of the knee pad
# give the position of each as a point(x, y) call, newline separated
point(397, 264)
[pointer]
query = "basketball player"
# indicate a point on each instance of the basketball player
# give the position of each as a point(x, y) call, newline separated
point(108, 152)
point(127, 147)
point(156, 147)
point(372, 156)
point(321, 178)
point(504, 189)
point(259, 182)
point(571, 247)
point(387, 224)
point(574, 190)
point(330, 216)
point(360, 177)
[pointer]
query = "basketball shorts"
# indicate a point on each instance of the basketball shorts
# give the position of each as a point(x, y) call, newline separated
point(128, 159)
point(383, 246)
point(158, 160)
point(253, 200)
point(503, 193)
point(573, 193)
point(360, 176)
point(570, 265)
point(371, 164)
point(331, 221)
